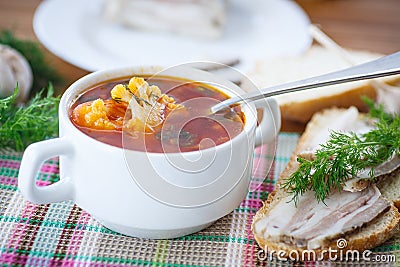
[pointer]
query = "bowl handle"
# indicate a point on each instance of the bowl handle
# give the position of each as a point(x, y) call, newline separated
point(270, 124)
point(34, 155)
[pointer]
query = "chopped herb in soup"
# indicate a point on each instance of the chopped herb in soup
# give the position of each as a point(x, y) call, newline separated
point(161, 114)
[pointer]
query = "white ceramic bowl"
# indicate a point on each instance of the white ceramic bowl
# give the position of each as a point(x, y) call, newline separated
point(152, 195)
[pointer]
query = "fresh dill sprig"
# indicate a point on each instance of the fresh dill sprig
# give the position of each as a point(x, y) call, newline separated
point(42, 72)
point(344, 155)
point(23, 125)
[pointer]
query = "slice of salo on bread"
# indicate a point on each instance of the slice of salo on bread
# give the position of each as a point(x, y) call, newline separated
point(363, 219)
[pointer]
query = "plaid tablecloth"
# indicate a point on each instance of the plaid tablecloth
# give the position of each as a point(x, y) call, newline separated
point(62, 234)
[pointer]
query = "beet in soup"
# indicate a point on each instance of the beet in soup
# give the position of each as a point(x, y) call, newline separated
point(162, 114)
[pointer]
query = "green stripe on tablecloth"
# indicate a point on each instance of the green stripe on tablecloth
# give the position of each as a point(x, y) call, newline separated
point(106, 230)
point(9, 172)
point(8, 187)
point(10, 157)
point(18, 158)
point(55, 224)
point(258, 194)
point(246, 209)
point(48, 177)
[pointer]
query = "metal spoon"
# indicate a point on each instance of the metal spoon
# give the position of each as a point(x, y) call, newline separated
point(388, 95)
point(384, 66)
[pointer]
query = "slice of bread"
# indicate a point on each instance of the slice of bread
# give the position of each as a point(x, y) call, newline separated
point(390, 188)
point(300, 106)
point(368, 236)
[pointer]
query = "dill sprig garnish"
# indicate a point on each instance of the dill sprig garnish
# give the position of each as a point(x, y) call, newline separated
point(23, 125)
point(344, 155)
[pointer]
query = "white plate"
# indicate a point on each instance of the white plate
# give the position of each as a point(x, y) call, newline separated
point(76, 31)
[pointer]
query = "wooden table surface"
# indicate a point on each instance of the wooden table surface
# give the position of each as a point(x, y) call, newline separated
point(372, 25)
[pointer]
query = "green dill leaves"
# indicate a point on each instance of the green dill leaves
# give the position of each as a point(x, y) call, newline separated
point(344, 155)
point(23, 125)
point(37, 119)
point(7, 103)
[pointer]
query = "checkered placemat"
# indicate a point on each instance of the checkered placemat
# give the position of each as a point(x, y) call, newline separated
point(62, 234)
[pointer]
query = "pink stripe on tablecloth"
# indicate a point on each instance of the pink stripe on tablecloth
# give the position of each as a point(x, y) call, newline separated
point(43, 183)
point(13, 164)
point(49, 168)
point(76, 238)
point(56, 262)
point(6, 180)
point(18, 233)
point(259, 164)
point(261, 171)
point(67, 262)
point(11, 259)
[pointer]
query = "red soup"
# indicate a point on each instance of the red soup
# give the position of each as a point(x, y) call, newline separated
point(188, 128)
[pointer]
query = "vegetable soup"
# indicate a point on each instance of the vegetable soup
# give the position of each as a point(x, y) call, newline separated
point(161, 114)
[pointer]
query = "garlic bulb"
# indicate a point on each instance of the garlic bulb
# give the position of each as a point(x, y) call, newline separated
point(14, 68)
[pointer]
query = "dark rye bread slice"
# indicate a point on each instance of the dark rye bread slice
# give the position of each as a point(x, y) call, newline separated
point(368, 236)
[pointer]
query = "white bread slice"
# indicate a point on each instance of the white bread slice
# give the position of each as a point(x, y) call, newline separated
point(376, 232)
point(300, 106)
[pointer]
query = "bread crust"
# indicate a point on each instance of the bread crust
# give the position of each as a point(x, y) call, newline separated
point(366, 237)
point(303, 111)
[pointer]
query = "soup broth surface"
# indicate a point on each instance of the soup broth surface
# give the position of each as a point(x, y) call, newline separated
point(185, 129)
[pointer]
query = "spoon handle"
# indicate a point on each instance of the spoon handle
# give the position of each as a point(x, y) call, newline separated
point(384, 66)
